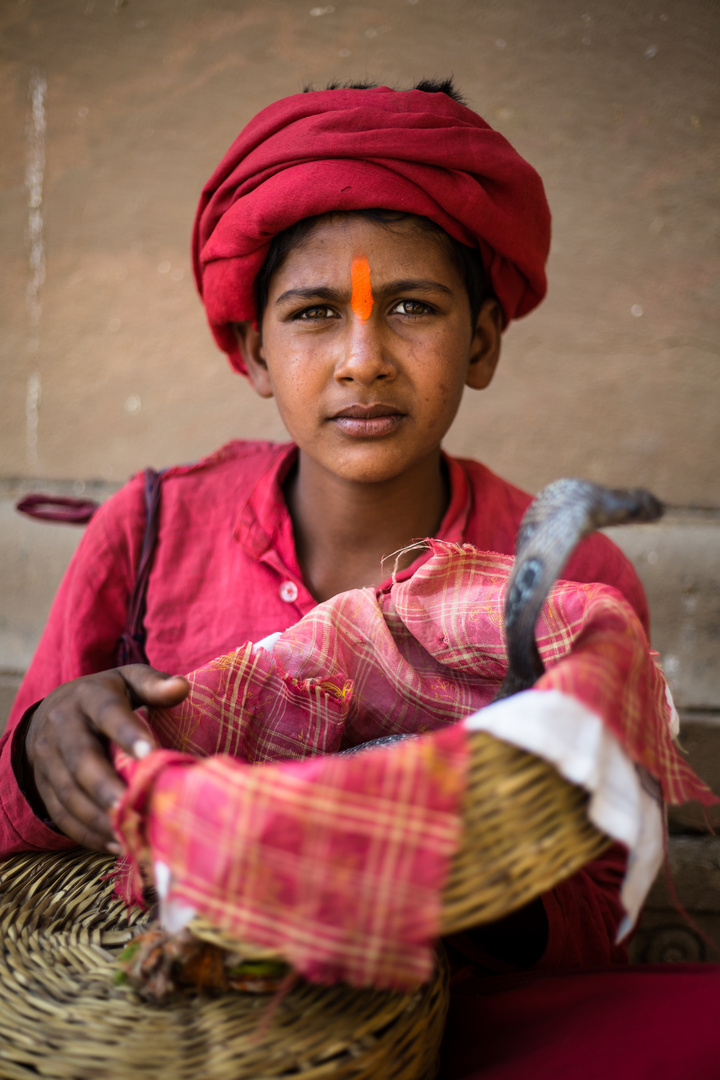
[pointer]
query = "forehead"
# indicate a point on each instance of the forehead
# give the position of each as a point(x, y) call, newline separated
point(393, 248)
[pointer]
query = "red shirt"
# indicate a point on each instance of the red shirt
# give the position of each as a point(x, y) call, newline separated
point(225, 571)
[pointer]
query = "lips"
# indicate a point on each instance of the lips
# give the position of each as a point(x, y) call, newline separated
point(368, 421)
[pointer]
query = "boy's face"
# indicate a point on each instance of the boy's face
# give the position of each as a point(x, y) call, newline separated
point(367, 344)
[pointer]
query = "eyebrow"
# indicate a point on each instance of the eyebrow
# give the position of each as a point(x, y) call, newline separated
point(325, 292)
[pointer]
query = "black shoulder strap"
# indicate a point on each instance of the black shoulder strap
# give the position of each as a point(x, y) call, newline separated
point(131, 645)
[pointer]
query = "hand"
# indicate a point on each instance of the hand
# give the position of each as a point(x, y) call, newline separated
point(66, 745)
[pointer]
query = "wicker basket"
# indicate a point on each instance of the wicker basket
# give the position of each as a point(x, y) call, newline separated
point(525, 830)
point(62, 926)
point(61, 1015)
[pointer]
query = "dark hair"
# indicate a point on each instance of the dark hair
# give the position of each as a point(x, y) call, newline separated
point(428, 86)
point(466, 260)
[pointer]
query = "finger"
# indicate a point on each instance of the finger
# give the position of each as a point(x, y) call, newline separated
point(93, 775)
point(75, 815)
point(97, 703)
point(111, 714)
point(147, 686)
point(107, 705)
point(143, 686)
point(71, 758)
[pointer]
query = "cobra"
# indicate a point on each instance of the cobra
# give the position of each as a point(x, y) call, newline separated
point(553, 525)
point(556, 521)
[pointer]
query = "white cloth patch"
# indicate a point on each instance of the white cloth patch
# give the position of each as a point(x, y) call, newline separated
point(267, 643)
point(174, 915)
point(673, 719)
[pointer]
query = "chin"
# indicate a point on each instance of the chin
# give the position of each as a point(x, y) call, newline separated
point(366, 476)
point(371, 473)
point(372, 463)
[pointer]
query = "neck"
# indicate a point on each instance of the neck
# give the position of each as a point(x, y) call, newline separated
point(343, 529)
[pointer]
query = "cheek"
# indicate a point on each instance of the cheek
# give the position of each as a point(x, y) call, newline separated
point(293, 395)
point(442, 370)
point(285, 363)
point(446, 402)
point(296, 389)
point(444, 394)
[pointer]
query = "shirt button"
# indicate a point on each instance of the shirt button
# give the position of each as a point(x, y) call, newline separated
point(288, 592)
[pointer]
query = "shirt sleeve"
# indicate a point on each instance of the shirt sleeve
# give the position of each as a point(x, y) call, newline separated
point(86, 619)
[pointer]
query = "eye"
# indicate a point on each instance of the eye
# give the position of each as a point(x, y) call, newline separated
point(411, 307)
point(315, 314)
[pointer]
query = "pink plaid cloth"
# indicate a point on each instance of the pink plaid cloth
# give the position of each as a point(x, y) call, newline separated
point(339, 862)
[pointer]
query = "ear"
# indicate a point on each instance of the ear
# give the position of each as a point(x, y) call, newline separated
point(251, 349)
point(485, 345)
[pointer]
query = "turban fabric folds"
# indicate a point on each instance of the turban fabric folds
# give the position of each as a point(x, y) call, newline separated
point(342, 150)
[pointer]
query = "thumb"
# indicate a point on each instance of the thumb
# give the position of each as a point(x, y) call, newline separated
point(147, 686)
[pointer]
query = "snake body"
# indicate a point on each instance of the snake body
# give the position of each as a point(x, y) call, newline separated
point(553, 525)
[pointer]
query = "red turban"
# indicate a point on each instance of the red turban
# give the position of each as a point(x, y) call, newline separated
point(338, 150)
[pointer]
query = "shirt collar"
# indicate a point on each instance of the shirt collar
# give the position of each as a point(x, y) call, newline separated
point(264, 528)
point(264, 522)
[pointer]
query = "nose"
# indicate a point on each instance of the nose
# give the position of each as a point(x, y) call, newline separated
point(365, 356)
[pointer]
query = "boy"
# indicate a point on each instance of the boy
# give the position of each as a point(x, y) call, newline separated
point(359, 252)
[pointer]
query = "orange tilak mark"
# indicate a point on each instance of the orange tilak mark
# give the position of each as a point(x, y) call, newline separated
point(362, 297)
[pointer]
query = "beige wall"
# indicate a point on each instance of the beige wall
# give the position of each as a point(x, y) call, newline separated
point(109, 363)
point(616, 105)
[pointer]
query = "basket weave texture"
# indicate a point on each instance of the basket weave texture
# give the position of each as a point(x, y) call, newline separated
point(62, 1017)
point(525, 829)
point(62, 925)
